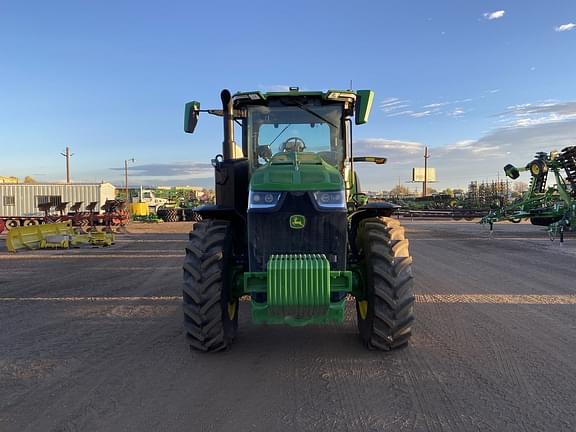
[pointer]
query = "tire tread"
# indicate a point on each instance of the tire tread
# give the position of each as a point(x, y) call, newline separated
point(388, 266)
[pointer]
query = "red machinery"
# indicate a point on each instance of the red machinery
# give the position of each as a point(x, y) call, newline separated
point(113, 218)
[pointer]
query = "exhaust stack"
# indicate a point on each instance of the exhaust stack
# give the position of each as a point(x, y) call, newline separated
point(228, 110)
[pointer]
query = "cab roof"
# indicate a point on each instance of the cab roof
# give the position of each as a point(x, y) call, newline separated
point(329, 95)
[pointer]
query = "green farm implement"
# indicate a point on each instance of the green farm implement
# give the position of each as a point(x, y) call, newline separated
point(552, 206)
point(291, 228)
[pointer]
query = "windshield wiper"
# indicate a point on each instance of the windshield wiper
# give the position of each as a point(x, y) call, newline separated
point(278, 136)
point(308, 110)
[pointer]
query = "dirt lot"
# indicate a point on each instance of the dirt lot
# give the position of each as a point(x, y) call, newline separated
point(92, 340)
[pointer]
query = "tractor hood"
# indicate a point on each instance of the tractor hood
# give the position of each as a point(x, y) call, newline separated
point(296, 171)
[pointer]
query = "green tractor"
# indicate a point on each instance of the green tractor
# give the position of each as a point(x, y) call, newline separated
point(291, 228)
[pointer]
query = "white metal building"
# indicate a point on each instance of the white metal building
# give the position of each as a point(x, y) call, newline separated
point(20, 200)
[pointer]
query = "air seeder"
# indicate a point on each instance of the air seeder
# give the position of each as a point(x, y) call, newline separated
point(291, 227)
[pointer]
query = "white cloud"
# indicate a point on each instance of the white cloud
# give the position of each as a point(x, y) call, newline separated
point(485, 149)
point(565, 27)
point(401, 113)
point(392, 104)
point(457, 112)
point(468, 150)
point(397, 146)
point(436, 105)
point(421, 114)
point(523, 142)
point(396, 107)
point(494, 15)
point(532, 114)
point(466, 160)
point(464, 144)
point(456, 164)
point(391, 101)
point(177, 170)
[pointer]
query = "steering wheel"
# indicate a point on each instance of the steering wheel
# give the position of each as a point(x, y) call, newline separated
point(293, 144)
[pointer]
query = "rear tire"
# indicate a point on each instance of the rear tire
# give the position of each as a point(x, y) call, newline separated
point(210, 311)
point(12, 223)
point(386, 313)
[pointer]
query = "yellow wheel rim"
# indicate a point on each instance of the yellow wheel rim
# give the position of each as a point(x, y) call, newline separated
point(363, 308)
point(231, 310)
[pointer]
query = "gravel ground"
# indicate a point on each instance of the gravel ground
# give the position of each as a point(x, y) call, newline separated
point(92, 340)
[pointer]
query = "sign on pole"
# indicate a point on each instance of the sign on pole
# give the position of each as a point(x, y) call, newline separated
point(418, 174)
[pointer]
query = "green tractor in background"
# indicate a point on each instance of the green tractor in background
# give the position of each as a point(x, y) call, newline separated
point(291, 228)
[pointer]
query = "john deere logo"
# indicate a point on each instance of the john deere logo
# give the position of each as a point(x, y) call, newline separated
point(297, 221)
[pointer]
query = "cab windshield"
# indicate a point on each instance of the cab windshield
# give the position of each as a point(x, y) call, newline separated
point(295, 128)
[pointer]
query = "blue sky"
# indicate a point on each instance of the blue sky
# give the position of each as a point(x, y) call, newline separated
point(482, 83)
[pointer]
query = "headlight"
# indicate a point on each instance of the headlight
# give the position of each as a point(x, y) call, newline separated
point(330, 199)
point(260, 200)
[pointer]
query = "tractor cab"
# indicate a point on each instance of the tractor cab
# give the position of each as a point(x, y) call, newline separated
point(291, 127)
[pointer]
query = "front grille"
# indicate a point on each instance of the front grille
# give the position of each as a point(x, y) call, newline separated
point(269, 233)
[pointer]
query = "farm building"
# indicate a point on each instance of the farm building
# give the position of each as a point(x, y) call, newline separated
point(22, 200)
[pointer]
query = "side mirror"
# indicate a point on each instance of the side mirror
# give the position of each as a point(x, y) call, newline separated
point(373, 159)
point(364, 99)
point(265, 152)
point(191, 112)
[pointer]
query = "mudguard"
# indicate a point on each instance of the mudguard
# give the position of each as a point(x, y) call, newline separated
point(369, 210)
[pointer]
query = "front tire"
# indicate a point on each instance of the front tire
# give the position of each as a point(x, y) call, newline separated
point(210, 311)
point(386, 313)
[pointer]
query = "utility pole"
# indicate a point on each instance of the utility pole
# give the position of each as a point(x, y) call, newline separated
point(126, 181)
point(67, 155)
point(425, 185)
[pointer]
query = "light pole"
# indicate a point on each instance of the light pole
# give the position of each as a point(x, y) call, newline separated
point(425, 185)
point(126, 181)
point(67, 155)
